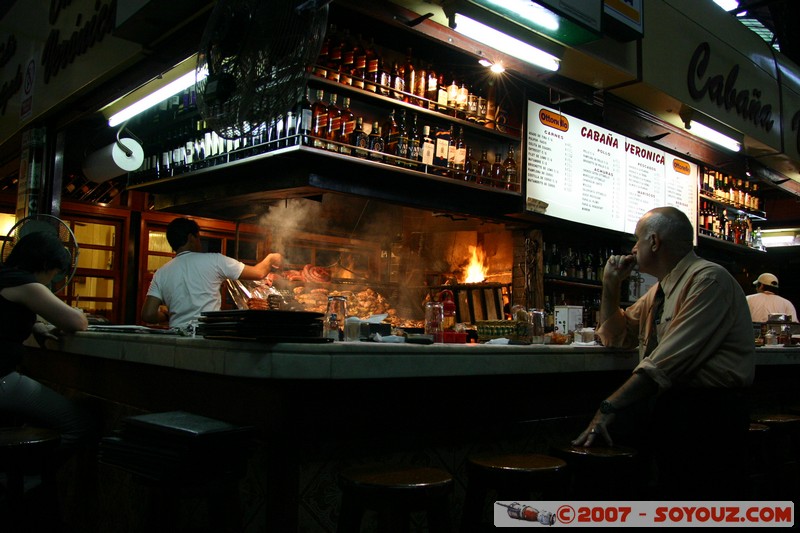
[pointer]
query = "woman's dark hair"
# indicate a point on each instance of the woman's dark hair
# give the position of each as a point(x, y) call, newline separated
point(39, 251)
point(178, 232)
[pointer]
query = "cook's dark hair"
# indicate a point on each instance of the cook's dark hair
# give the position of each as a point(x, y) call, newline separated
point(39, 251)
point(178, 232)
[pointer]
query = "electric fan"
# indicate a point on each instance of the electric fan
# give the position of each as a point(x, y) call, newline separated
point(257, 56)
point(54, 225)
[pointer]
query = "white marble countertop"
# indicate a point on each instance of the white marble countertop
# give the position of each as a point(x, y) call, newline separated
point(359, 360)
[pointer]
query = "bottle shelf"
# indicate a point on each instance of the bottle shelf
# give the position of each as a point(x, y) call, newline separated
point(709, 238)
point(578, 283)
point(753, 215)
point(450, 114)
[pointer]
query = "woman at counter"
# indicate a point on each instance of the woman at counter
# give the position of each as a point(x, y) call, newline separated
point(36, 259)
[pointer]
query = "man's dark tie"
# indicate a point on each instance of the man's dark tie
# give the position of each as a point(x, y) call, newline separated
point(655, 319)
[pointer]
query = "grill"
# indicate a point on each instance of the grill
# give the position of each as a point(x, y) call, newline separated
point(478, 301)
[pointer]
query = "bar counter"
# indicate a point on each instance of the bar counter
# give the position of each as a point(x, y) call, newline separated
point(322, 407)
point(362, 360)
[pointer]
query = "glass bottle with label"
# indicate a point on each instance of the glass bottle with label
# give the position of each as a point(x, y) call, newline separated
point(376, 143)
point(319, 120)
point(409, 78)
point(428, 148)
point(484, 173)
point(401, 148)
point(510, 170)
point(347, 126)
point(459, 154)
point(470, 166)
point(414, 141)
point(305, 116)
point(334, 125)
point(391, 133)
point(498, 172)
point(360, 139)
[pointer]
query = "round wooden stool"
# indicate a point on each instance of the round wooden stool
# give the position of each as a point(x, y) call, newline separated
point(26, 450)
point(600, 472)
point(394, 492)
point(783, 444)
point(513, 477)
point(758, 464)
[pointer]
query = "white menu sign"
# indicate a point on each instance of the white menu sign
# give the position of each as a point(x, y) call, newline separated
point(581, 172)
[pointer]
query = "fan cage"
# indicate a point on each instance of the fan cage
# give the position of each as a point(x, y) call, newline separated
point(257, 56)
point(48, 223)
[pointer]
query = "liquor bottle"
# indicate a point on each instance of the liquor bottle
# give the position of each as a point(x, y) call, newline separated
point(452, 97)
point(391, 133)
point(348, 60)
point(398, 82)
point(376, 143)
point(334, 57)
point(498, 172)
point(462, 99)
point(280, 135)
point(470, 166)
point(384, 79)
point(371, 78)
point(305, 118)
point(459, 154)
point(290, 127)
point(510, 170)
point(401, 148)
point(431, 88)
point(360, 139)
point(554, 259)
point(441, 95)
point(484, 173)
point(420, 86)
point(347, 125)
point(415, 140)
point(409, 78)
point(428, 147)
point(359, 72)
point(320, 68)
point(334, 125)
point(319, 120)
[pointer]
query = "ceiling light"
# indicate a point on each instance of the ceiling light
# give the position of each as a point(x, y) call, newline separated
point(497, 68)
point(530, 11)
point(712, 135)
point(485, 63)
point(156, 97)
point(504, 43)
point(727, 5)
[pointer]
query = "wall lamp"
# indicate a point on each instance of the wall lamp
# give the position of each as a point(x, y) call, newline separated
point(159, 95)
point(503, 42)
point(709, 129)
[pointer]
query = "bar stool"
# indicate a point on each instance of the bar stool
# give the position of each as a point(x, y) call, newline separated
point(759, 462)
point(600, 472)
point(394, 492)
point(512, 477)
point(784, 451)
point(176, 456)
point(26, 450)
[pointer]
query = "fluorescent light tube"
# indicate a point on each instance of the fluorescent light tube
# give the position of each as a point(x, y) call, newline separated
point(711, 135)
point(530, 11)
point(184, 82)
point(505, 43)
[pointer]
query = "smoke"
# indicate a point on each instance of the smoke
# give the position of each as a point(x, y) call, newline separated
point(286, 218)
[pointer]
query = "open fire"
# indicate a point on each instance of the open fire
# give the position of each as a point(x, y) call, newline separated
point(477, 268)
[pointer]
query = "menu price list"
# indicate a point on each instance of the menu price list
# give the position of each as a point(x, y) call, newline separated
point(597, 177)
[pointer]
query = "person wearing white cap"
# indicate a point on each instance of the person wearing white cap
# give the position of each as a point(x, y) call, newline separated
point(765, 302)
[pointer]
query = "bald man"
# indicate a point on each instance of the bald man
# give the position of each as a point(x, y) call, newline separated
point(695, 340)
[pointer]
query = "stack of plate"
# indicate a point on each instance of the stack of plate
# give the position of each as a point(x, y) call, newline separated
point(263, 325)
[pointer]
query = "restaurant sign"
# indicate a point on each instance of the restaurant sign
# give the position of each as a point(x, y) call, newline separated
point(49, 54)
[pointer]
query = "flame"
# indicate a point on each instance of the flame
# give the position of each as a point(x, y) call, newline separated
point(477, 268)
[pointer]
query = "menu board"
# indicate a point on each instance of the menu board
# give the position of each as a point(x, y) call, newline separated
point(581, 172)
